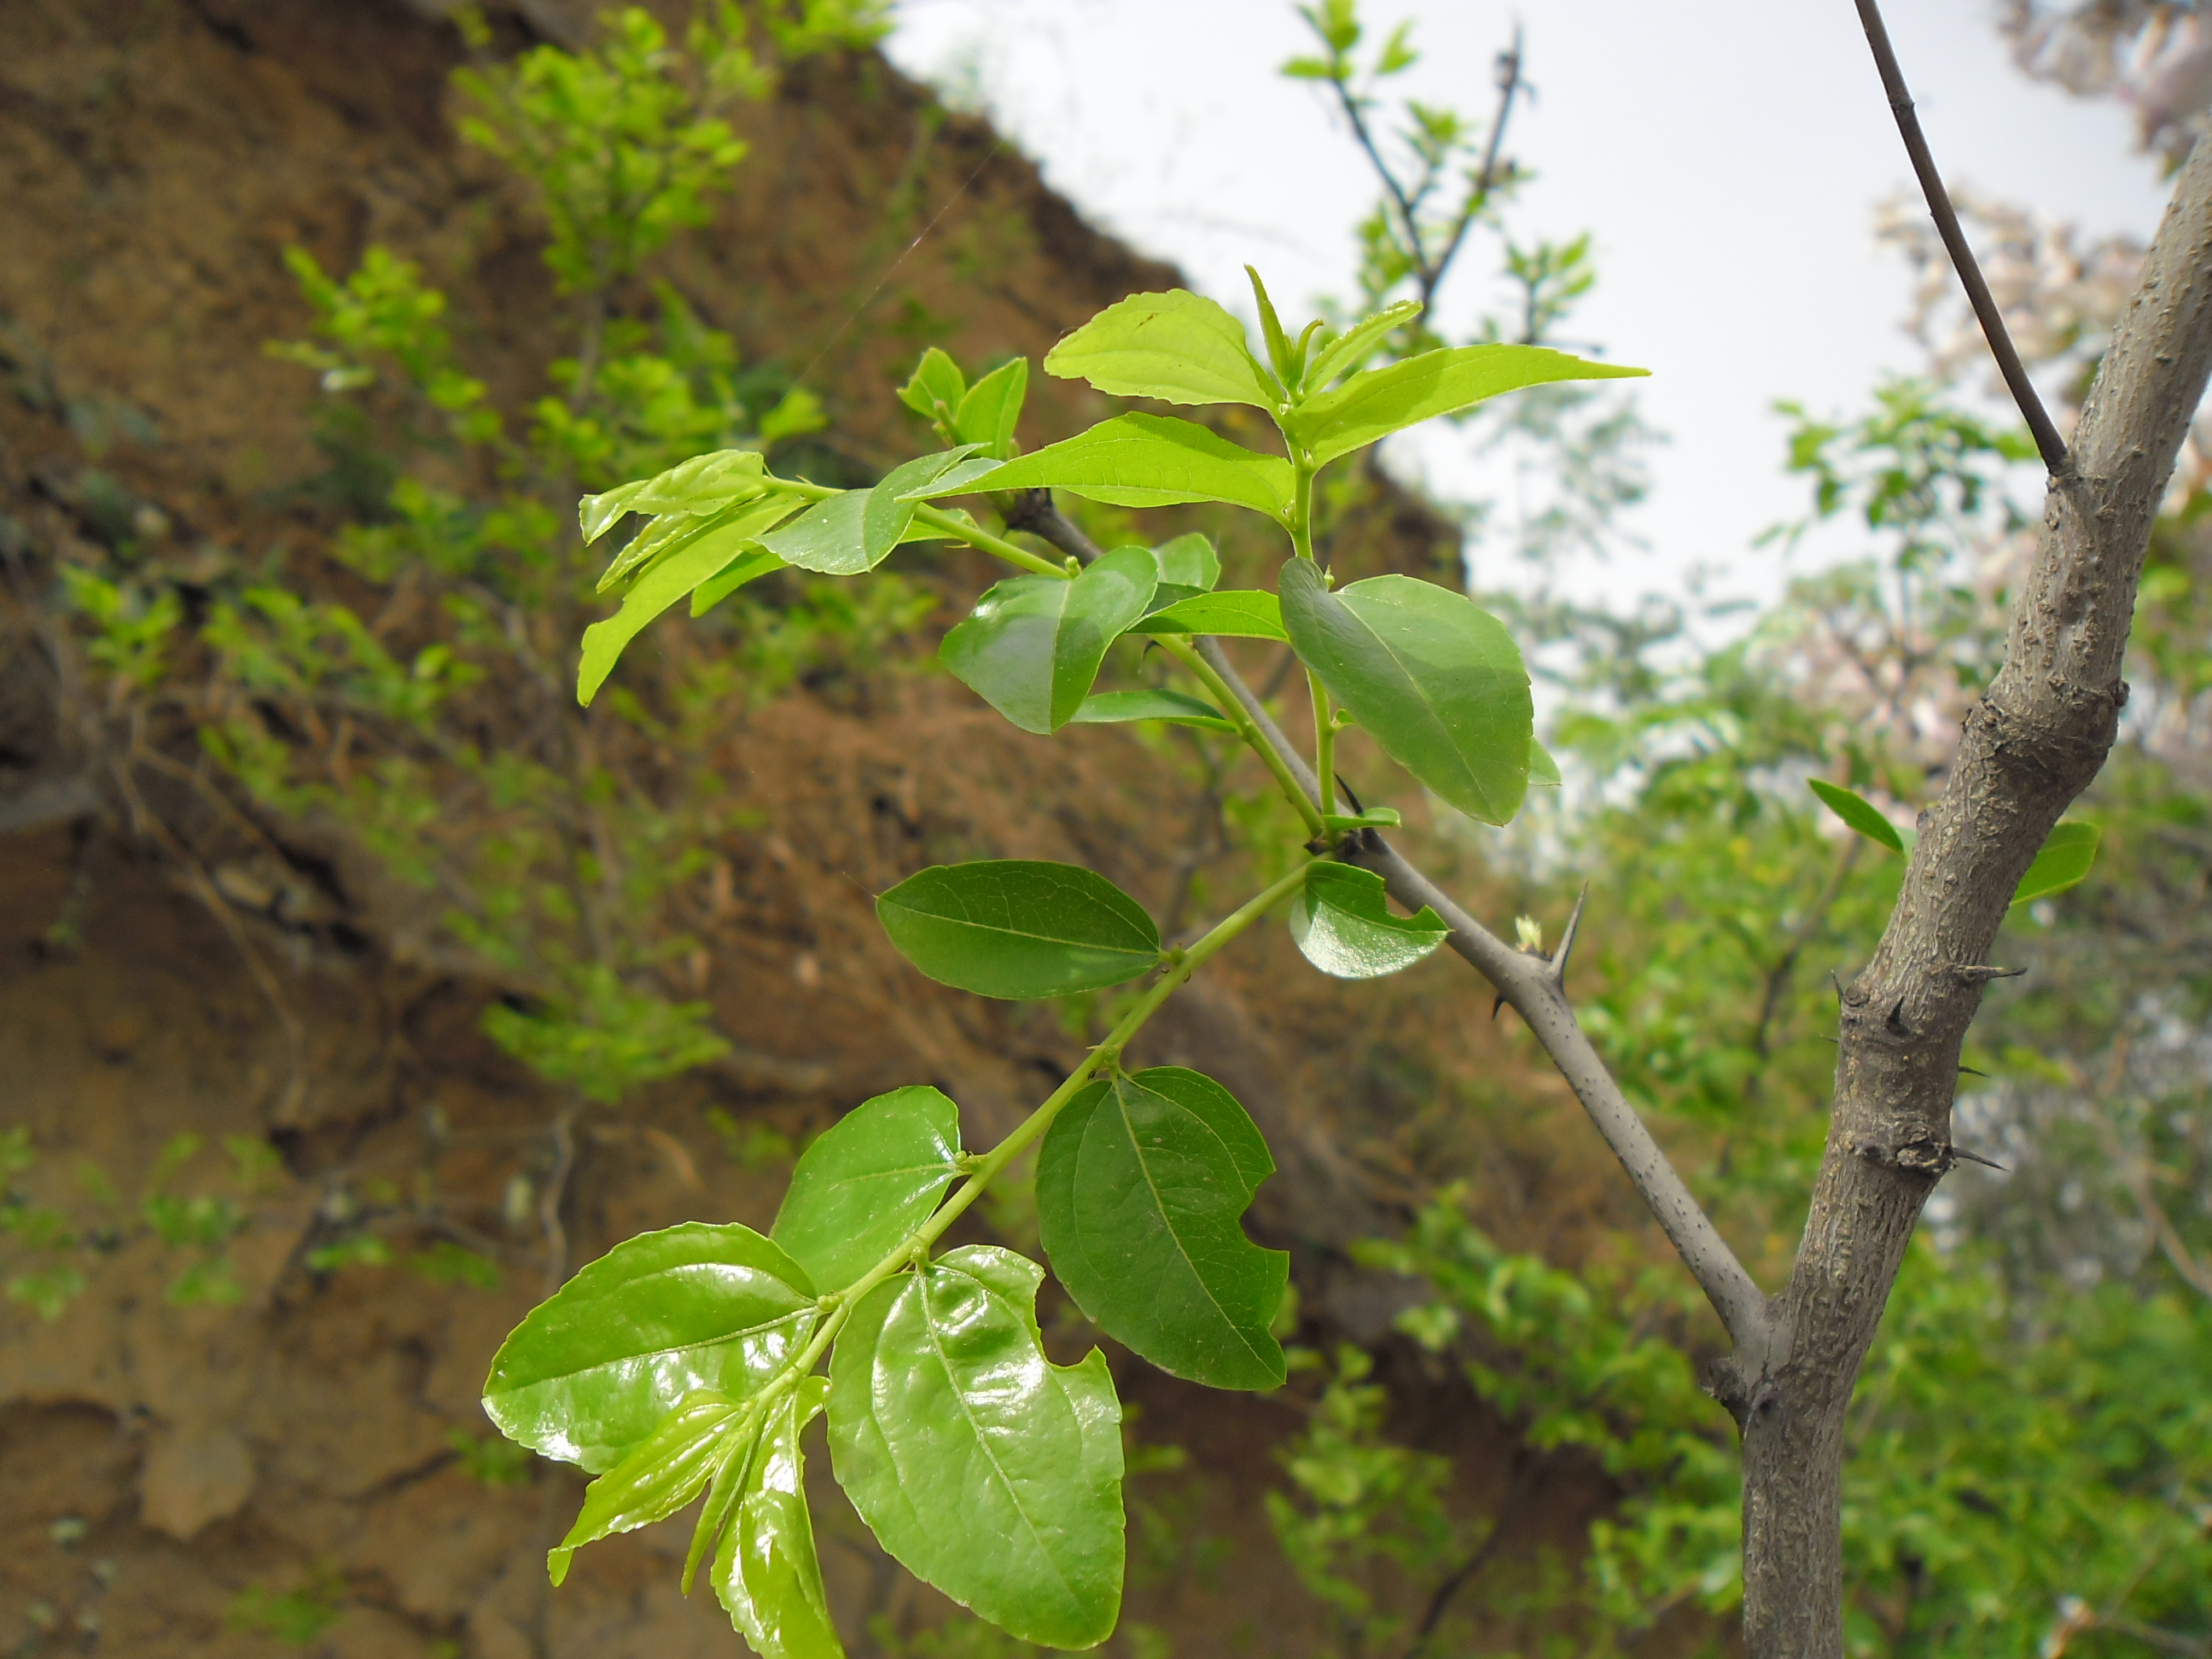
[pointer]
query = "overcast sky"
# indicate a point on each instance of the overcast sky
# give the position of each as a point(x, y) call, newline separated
point(1727, 153)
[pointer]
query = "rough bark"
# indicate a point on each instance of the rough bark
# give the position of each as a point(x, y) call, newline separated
point(2031, 745)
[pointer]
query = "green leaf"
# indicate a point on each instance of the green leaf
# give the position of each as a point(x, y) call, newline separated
point(766, 1571)
point(1343, 925)
point(666, 581)
point(1242, 613)
point(1148, 460)
point(749, 567)
point(993, 407)
point(1374, 817)
point(664, 1473)
point(672, 533)
point(1141, 1185)
point(1437, 682)
point(1177, 346)
point(1018, 929)
point(885, 518)
point(937, 380)
point(1543, 771)
point(1858, 812)
point(984, 1468)
point(2067, 852)
point(1034, 644)
point(596, 1366)
point(1188, 561)
point(867, 1182)
point(1117, 707)
point(704, 484)
point(831, 535)
point(1289, 360)
point(1380, 401)
point(1350, 348)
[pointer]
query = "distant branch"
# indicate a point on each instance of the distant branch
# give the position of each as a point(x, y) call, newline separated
point(2047, 440)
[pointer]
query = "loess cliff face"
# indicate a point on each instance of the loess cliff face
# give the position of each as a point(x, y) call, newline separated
point(167, 1467)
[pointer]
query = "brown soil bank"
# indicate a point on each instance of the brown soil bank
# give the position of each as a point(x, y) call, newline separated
point(305, 1468)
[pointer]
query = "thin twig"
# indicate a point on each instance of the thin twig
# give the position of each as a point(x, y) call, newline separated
point(1528, 984)
point(2048, 443)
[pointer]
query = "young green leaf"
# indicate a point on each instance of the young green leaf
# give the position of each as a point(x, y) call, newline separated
point(704, 484)
point(594, 1368)
point(869, 1181)
point(766, 1571)
point(1242, 613)
point(984, 1468)
point(1019, 929)
point(1435, 681)
point(672, 531)
point(1543, 771)
point(885, 517)
point(749, 567)
point(1118, 707)
point(2067, 852)
point(937, 389)
point(663, 1473)
point(1141, 1185)
point(1350, 348)
point(832, 536)
point(1344, 927)
point(1147, 460)
point(1034, 644)
point(1289, 362)
point(993, 407)
point(1374, 403)
point(668, 580)
point(1858, 812)
point(1188, 561)
point(1177, 346)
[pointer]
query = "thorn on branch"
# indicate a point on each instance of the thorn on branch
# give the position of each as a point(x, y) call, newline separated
point(1975, 1158)
point(1975, 973)
point(1567, 940)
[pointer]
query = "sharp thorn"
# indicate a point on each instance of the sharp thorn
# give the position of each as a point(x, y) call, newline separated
point(1567, 938)
point(1837, 983)
point(1495, 1006)
point(1975, 1158)
point(1356, 809)
point(1968, 1071)
point(1975, 973)
point(1838, 1041)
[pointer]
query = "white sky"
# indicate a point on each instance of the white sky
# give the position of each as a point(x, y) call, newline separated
point(1727, 153)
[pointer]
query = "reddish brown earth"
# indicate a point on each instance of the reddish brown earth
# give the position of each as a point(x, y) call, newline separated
point(156, 1462)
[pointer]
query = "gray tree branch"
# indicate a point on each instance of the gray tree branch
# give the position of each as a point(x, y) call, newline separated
point(2031, 744)
point(1531, 986)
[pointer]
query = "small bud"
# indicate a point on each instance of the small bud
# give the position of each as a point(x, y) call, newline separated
point(1531, 934)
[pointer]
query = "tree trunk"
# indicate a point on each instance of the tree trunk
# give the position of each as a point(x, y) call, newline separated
point(2031, 745)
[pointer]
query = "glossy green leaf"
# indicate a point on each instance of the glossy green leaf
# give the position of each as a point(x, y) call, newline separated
point(1019, 929)
point(1350, 348)
point(992, 408)
point(749, 567)
point(1117, 707)
point(1378, 401)
point(1374, 817)
point(1240, 613)
point(766, 1571)
point(1342, 924)
point(2067, 852)
point(1858, 812)
point(660, 1475)
point(867, 1182)
point(672, 531)
point(1188, 561)
point(1437, 682)
point(703, 484)
point(1034, 644)
point(1543, 771)
point(831, 537)
point(666, 581)
point(594, 1369)
point(1148, 460)
point(885, 517)
point(1141, 1184)
point(984, 1468)
point(1177, 347)
point(1288, 360)
point(937, 380)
